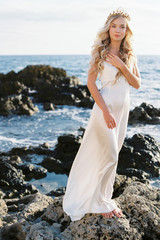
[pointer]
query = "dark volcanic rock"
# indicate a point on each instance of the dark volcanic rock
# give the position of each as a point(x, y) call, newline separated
point(63, 154)
point(53, 165)
point(66, 149)
point(49, 106)
point(20, 105)
point(54, 85)
point(122, 181)
point(12, 181)
point(120, 184)
point(23, 151)
point(33, 75)
point(140, 156)
point(31, 171)
point(47, 85)
point(10, 176)
point(11, 87)
point(145, 113)
point(58, 192)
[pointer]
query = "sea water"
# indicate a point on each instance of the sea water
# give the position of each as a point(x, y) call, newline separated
point(46, 126)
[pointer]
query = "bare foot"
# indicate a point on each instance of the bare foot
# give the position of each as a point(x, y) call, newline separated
point(117, 212)
point(108, 214)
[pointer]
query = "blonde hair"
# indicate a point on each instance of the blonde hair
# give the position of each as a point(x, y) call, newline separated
point(101, 47)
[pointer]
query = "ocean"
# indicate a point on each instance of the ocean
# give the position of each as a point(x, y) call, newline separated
point(46, 126)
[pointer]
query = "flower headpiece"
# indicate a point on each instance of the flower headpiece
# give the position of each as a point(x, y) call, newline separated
point(119, 11)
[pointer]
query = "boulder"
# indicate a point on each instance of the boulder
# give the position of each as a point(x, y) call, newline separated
point(140, 157)
point(145, 113)
point(12, 181)
point(20, 105)
point(16, 225)
point(66, 149)
point(31, 171)
point(49, 106)
point(43, 218)
point(45, 84)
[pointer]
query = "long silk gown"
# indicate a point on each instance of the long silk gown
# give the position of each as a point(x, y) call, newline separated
point(90, 183)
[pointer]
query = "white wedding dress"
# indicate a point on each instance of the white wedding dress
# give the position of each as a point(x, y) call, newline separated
point(90, 183)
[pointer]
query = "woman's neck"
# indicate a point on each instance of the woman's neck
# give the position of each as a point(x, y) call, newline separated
point(114, 47)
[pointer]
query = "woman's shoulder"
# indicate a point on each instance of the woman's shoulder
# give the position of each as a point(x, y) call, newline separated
point(133, 60)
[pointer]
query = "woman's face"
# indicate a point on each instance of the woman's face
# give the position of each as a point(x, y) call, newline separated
point(117, 29)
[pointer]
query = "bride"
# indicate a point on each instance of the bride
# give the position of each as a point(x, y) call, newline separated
point(90, 183)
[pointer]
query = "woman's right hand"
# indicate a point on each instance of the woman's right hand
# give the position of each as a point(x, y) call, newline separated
point(109, 119)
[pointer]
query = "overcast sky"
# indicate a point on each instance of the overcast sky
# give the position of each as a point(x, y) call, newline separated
point(70, 26)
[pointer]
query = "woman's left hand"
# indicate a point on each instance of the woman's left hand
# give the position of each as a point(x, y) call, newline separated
point(114, 60)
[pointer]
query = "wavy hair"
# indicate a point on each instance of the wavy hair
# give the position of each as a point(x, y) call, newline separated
point(101, 47)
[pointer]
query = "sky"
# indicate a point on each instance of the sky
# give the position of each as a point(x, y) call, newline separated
point(35, 27)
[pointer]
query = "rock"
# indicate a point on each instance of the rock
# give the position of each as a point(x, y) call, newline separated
point(122, 181)
point(20, 105)
point(66, 146)
point(41, 230)
point(3, 208)
point(18, 224)
point(66, 149)
point(51, 86)
point(85, 103)
point(140, 157)
point(42, 149)
point(33, 75)
point(43, 218)
point(14, 160)
point(14, 231)
point(58, 160)
point(145, 113)
point(48, 106)
point(141, 210)
point(10, 174)
point(1, 195)
point(45, 145)
point(12, 181)
point(33, 207)
point(31, 171)
point(58, 192)
point(10, 87)
point(53, 165)
point(55, 214)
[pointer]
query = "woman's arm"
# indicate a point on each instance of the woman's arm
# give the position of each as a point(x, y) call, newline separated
point(109, 118)
point(134, 79)
point(94, 90)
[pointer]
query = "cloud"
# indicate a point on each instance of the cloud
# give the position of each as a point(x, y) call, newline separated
point(70, 26)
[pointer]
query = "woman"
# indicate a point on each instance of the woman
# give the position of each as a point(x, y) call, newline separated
point(90, 183)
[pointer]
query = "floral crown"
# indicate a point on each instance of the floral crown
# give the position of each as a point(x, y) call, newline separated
point(119, 11)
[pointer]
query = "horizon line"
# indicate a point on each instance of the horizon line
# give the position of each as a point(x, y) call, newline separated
point(144, 54)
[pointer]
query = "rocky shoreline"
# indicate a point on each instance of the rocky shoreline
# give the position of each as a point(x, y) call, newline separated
point(28, 214)
point(51, 86)
point(38, 216)
point(25, 213)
